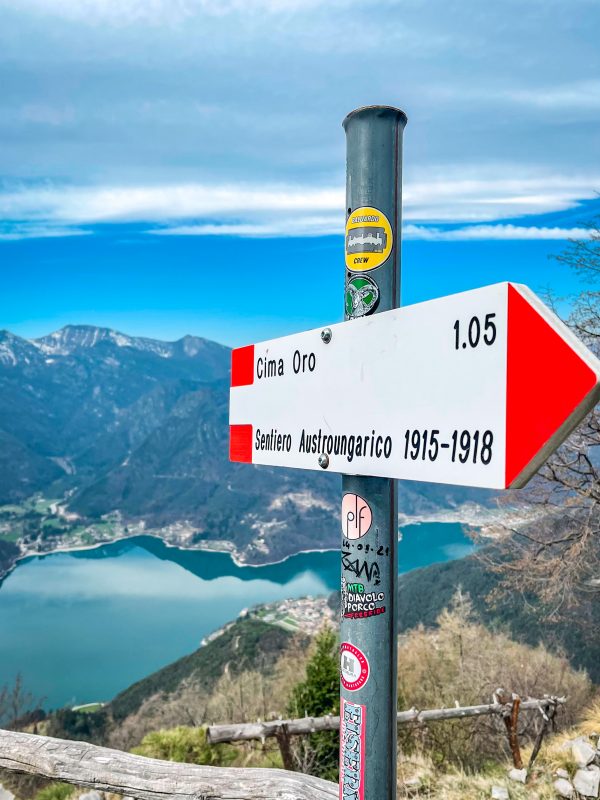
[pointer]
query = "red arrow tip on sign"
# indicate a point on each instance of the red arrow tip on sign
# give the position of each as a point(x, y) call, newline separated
point(547, 382)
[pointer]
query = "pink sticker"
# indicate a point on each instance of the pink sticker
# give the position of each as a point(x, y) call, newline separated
point(356, 516)
point(353, 722)
point(354, 667)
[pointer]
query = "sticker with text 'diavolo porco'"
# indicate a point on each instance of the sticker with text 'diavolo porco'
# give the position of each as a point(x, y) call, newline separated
point(369, 239)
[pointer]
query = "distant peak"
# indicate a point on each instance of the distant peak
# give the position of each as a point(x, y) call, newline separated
point(14, 349)
point(74, 337)
point(191, 345)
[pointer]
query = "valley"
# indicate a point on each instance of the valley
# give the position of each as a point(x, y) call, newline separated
point(105, 436)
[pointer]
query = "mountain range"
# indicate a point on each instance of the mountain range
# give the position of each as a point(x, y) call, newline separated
point(112, 423)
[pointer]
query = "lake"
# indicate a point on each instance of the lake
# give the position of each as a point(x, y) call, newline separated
point(82, 626)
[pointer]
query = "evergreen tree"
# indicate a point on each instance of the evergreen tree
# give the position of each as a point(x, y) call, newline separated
point(317, 695)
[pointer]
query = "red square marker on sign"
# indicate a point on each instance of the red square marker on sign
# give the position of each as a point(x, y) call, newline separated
point(240, 443)
point(242, 366)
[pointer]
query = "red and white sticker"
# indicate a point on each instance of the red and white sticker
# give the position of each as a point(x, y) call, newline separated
point(353, 724)
point(354, 667)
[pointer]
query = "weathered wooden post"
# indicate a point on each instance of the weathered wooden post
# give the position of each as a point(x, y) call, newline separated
point(368, 637)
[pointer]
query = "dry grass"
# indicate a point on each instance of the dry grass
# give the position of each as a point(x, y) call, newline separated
point(556, 751)
point(463, 662)
point(590, 725)
point(419, 778)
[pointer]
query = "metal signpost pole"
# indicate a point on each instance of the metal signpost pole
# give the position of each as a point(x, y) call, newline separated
point(446, 391)
point(368, 658)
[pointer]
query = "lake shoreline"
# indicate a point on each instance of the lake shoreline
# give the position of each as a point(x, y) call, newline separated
point(154, 602)
point(475, 516)
point(170, 545)
point(238, 562)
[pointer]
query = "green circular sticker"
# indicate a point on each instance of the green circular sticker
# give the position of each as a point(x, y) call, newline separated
point(362, 296)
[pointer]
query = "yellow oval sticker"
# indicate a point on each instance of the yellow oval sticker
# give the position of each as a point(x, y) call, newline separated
point(369, 239)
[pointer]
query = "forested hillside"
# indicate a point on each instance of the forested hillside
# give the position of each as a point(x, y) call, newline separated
point(111, 431)
point(424, 593)
point(246, 645)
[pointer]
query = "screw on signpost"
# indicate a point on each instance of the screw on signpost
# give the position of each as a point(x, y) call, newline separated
point(368, 650)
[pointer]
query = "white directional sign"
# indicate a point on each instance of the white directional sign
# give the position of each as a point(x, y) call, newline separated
point(474, 389)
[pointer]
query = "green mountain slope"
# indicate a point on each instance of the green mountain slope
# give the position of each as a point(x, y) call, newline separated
point(8, 553)
point(114, 423)
point(247, 644)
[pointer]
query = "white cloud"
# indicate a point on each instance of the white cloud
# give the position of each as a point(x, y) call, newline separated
point(489, 195)
point(156, 203)
point(292, 210)
point(334, 225)
point(561, 98)
point(254, 90)
point(488, 232)
point(282, 228)
point(17, 231)
point(130, 12)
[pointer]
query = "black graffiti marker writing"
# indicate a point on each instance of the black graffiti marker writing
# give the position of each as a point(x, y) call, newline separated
point(360, 568)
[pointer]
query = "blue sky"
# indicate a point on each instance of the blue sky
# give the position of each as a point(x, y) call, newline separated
point(177, 166)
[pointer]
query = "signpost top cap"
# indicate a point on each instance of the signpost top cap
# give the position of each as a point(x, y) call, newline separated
point(377, 111)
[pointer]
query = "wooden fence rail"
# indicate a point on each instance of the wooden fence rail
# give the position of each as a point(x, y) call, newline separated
point(143, 778)
point(239, 732)
point(149, 779)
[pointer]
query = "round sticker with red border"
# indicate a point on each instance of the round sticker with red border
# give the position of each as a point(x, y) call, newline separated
point(354, 667)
